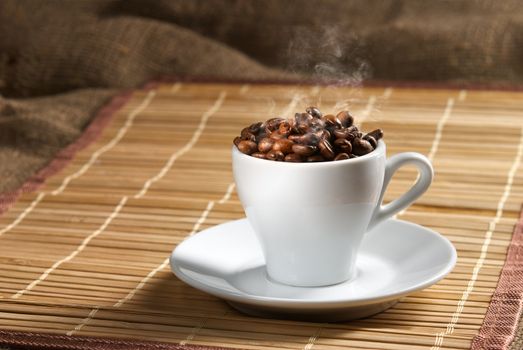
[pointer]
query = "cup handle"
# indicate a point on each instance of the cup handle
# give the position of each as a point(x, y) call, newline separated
point(426, 174)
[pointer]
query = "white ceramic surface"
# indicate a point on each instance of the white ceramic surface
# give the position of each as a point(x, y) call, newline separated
point(396, 258)
point(310, 217)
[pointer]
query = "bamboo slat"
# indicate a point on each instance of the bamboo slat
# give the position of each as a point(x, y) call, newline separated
point(86, 254)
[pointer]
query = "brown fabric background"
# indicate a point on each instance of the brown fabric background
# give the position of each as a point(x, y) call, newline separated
point(67, 52)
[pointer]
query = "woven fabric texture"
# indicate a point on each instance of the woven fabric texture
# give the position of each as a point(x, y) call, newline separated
point(57, 47)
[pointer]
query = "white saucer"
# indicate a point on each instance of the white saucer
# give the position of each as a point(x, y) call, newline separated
point(396, 258)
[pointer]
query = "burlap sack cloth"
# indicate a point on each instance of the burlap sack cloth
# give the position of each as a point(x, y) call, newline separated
point(60, 61)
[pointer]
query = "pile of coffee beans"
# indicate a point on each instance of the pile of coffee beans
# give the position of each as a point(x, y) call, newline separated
point(308, 137)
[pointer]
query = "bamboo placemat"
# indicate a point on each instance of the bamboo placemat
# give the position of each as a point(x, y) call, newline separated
point(86, 255)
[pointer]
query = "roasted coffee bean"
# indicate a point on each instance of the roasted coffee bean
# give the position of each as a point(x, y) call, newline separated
point(377, 134)
point(283, 145)
point(303, 118)
point(304, 150)
point(304, 128)
point(314, 111)
point(325, 134)
point(352, 133)
point(342, 133)
point(316, 158)
point(265, 145)
point(345, 118)
point(273, 124)
point(247, 135)
point(275, 155)
point(307, 139)
point(247, 146)
point(259, 155)
point(341, 156)
point(295, 138)
point(294, 126)
point(311, 138)
point(343, 145)
point(371, 140)
point(275, 135)
point(284, 128)
point(317, 124)
point(255, 128)
point(261, 135)
point(361, 147)
point(293, 157)
point(326, 149)
point(303, 122)
point(331, 120)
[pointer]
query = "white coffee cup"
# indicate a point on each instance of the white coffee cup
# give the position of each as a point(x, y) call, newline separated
point(310, 218)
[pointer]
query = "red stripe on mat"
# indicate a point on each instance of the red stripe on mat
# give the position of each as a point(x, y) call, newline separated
point(27, 340)
point(63, 157)
point(501, 320)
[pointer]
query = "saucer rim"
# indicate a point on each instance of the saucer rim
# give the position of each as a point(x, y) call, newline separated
point(290, 303)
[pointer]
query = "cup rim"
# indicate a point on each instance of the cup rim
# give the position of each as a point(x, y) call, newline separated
point(375, 153)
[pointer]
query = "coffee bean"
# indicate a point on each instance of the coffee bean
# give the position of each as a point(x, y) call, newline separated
point(283, 145)
point(247, 146)
point(255, 128)
point(352, 133)
point(316, 158)
point(342, 156)
point(303, 122)
point(342, 133)
point(246, 134)
point(259, 155)
point(303, 118)
point(317, 124)
point(293, 157)
point(275, 155)
point(343, 145)
point(361, 147)
point(261, 135)
point(331, 120)
point(314, 111)
point(371, 140)
point(295, 138)
point(304, 128)
point(275, 135)
point(345, 118)
point(273, 123)
point(326, 149)
point(265, 145)
point(325, 134)
point(377, 134)
point(284, 128)
point(309, 136)
point(307, 139)
point(294, 126)
point(304, 150)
